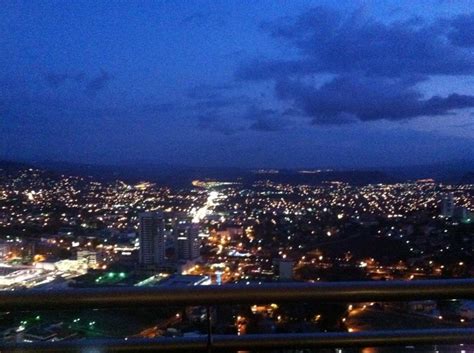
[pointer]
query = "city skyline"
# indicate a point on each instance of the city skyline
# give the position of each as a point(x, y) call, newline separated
point(215, 175)
point(269, 84)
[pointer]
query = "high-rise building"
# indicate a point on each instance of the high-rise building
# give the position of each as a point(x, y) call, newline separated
point(172, 218)
point(285, 269)
point(447, 205)
point(187, 243)
point(462, 214)
point(152, 239)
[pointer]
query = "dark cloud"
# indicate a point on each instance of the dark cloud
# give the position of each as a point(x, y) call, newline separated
point(98, 83)
point(209, 91)
point(351, 98)
point(235, 54)
point(230, 114)
point(195, 17)
point(330, 42)
point(265, 120)
point(79, 77)
point(55, 80)
point(204, 18)
point(202, 94)
point(253, 118)
point(462, 30)
point(159, 108)
point(217, 123)
point(219, 102)
point(372, 68)
point(91, 86)
point(256, 70)
point(292, 112)
point(268, 125)
point(216, 102)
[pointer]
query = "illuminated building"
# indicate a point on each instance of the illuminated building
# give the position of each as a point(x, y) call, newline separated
point(89, 257)
point(152, 242)
point(187, 241)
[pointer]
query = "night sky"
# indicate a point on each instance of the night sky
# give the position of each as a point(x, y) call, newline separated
point(237, 83)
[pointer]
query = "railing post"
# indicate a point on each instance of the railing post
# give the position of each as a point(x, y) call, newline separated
point(209, 329)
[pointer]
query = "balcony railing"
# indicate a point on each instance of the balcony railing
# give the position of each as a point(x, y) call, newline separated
point(242, 294)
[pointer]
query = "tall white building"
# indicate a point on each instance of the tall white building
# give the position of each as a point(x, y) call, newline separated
point(152, 239)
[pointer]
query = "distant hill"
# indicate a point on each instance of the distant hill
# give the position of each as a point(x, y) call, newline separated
point(468, 178)
point(355, 177)
point(13, 166)
point(449, 172)
point(165, 174)
point(181, 176)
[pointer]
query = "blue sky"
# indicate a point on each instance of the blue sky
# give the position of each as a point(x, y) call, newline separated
point(234, 83)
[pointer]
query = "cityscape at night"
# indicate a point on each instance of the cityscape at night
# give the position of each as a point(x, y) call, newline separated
point(215, 175)
point(74, 232)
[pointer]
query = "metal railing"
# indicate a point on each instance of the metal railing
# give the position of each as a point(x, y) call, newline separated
point(242, 294)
